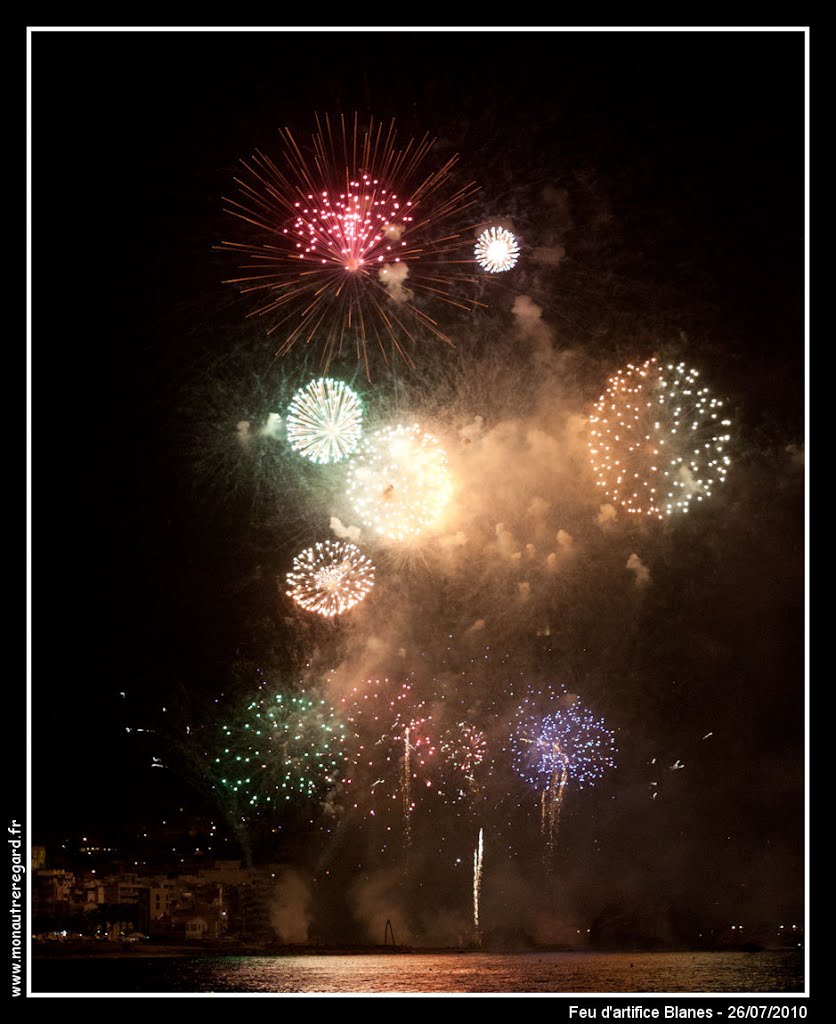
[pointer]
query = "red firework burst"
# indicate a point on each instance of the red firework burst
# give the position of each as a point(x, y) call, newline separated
point(352, 239)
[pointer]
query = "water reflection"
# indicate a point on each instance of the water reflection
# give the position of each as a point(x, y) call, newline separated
point(778, 971)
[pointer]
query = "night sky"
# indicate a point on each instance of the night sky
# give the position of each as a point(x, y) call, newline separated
point(664, 173)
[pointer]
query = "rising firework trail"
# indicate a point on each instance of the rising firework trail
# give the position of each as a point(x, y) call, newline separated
point(477, 888)
point(551, 802)
point(339, 228)
point(405, 794)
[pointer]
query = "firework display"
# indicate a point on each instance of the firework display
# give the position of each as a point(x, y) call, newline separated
point(428, 470)
point(399, 482)
point(463, 748)
point(330, 578)
point(281, 746)
point(567, 738)
point(658, 439)
point(550, 749)
point(340, 228)
point(353, 235)
point(496, 250)
point(391, 748)
point(324, 421)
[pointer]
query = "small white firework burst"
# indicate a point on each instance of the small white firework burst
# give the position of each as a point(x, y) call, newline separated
point(330, 578)
point(496, 250)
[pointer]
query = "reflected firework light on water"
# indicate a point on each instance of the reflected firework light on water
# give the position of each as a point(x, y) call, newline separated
point(340, 229)
point(658, 439)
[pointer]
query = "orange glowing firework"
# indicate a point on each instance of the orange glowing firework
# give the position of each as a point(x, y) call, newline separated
point(353, 243)
point(658, 439)
point(398, 482)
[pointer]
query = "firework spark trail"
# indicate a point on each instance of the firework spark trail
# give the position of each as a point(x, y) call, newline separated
point(339, 227)
point(407, 802)
point(658, 439)
point(477, 887)
point(552, 802)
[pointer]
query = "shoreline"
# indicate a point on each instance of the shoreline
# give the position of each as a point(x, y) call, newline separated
point(119, 951)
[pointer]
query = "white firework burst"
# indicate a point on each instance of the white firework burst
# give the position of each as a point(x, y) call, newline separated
point(398, 482)
point(330, 578)
point(496, 250)
point(325, 421)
